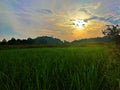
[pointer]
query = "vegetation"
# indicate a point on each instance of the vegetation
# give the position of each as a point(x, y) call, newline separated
point(96, 40)
point(45, 40)
point(47, 63)
point(30, 41)
point(73, 68)
point(113, 32)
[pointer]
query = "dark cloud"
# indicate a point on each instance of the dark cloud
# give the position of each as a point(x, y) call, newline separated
point(109, 19)
point(72, 24)
point(21, 14)
point(95, 17)
point(45, 11)
point(72, 19)
point(85, 11)
point(114, 21)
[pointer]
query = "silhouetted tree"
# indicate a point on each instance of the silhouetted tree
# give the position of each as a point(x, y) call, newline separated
point(30, 41)
point(18, 41)
point(66, 42)
point(4, 42)
point(24, 41)
point(112, 32)
point(12, 41)
point(42, 41)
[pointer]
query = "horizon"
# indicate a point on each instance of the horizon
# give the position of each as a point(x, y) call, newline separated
point(67, 20)
point(49, 37)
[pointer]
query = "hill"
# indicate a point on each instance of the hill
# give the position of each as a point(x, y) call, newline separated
point(97, 40)
point(47, 40)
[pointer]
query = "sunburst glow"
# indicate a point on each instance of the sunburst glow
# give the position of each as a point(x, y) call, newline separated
point(64, 19)
point(80, 23)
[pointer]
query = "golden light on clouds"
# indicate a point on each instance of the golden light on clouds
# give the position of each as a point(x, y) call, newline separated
point(92, 28)
point(71, 29)
point(53, 18)
point(80, 24)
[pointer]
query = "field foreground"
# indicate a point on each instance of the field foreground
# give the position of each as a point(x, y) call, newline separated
point(73, 68)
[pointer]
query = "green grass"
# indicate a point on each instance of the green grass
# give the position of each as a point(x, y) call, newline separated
point(73, 68)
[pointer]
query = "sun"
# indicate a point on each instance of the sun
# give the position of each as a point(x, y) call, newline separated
point(80, 23)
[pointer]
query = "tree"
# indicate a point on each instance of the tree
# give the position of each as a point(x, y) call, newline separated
point(66, 42)
point(30, 41)
point(12, 41)
point(4, 42)
point(112, 32)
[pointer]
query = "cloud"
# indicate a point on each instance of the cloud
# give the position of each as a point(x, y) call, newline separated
point(84, 10)
point(31, 18)
point(102, 10)
point(44, 11)
point(93, 28)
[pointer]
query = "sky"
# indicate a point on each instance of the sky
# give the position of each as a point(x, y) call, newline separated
point(57, 18)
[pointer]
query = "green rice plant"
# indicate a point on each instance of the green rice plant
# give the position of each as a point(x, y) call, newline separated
point(73, 68)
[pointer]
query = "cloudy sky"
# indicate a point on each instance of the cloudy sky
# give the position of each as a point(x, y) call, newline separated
point(57, 18)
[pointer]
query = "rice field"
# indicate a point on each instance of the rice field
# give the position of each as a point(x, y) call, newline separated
point(72, 68)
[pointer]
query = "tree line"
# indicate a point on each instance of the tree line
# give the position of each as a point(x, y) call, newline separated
point(111, 33)
point(30, 41)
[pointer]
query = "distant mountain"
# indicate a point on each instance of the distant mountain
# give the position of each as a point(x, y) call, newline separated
point(47, 40)
point(97, 39)
point(29, 41)
point(50, 40)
